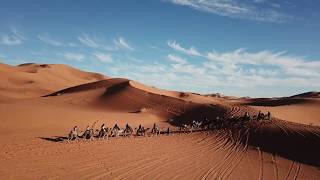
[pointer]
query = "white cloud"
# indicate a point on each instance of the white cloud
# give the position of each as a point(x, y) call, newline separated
point(235, 9)
point(290, 65)
point(250, 72)
point(122, 44)
point(88, 41)
point(178, 47)
point(73, 56)
point(49, 40)
point(106, 58)
point(15, 38)
point(95, 43)
point(176, 59)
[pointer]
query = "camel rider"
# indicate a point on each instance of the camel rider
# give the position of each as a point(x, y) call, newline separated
point(86, 132)
point(269, 115)
point(74, 133)
point(128, 127)
point(75, 130)
point(103, 128)
point(116, 126)
point(247, 116)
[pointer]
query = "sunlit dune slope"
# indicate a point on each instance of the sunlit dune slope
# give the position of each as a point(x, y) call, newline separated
point(34, 80)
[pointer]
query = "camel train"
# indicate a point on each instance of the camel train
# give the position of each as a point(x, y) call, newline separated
point(116, 131)
point(203, 125)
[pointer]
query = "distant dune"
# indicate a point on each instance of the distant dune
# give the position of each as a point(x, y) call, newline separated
point(34, 80)
point(39, 103)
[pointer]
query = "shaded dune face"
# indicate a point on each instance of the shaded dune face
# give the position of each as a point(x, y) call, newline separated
point(293, 141)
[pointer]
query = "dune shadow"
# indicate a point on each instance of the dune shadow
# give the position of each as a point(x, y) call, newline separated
point(275, 102)
point(295, 143)
point(116, 88)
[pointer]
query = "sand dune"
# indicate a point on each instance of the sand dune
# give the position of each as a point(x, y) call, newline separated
point(300, 109)
point(34, 80)
point(30, 131)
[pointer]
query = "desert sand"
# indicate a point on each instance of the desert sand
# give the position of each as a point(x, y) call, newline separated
point(40, 103)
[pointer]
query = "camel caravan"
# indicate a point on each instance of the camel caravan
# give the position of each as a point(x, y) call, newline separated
point(116, 131)
point(204, 125)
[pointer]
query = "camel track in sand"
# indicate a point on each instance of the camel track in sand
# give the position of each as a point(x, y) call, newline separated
point(204, 155)
point(276, 171)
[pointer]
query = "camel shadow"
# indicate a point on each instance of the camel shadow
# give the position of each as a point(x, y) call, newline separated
point(54, 139)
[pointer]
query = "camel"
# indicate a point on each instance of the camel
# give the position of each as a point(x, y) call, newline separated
point(141, 131)
point(155, 129)
point(73, 135)
point(103, 132)
point(127, 130)
point(246, 117)
point(88, 133)
point(115, 131)
point(184, 128)
point(196, 124)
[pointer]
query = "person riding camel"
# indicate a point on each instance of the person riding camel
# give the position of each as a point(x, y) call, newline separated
point(140, 130)
point(116, 127)
point(103, 131)
point(155, 129)
point(103, 126)
point(73, 135)
point(247, 116)
point(87, 133)
point(128, 129)
point(259, 116)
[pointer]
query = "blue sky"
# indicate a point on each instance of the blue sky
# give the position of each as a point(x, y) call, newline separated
point(258, 48)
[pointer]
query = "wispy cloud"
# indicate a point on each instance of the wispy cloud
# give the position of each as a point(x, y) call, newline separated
point(176, 59)
point(12, 39)
point(176, 46)
point(122, 44)
point(89, 41)
point(95, 42)
point(49, 40)
point(249, 71)
point(73, 56)
point(287, 63)
point(236, 9)
point(102, 57)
